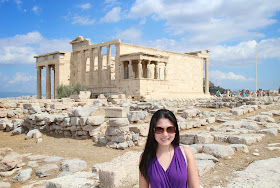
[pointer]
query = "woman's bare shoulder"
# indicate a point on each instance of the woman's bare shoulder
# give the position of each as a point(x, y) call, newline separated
point(188, 153)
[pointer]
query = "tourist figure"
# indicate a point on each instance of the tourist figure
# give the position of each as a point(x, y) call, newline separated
point(163, 163)
point(218, 93)
point(227, 93)
point(243, 93)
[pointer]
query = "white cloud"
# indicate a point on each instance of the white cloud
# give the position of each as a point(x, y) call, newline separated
point(18, 2)
point(130, 34)
point(83, 20)
point(143, 21)
point(269, 48)
point(21, 78)
point(110, 3)
point(19, 82)
point(244, 53)
point(218, 75)
point(85, 6)
point(209, 22)
point(112, 16)
point(21, 49)
point(36, 10)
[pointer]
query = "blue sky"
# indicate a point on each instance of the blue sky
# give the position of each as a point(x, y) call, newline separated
point(228, 28)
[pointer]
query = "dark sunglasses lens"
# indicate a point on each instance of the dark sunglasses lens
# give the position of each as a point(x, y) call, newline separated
point(171, 129)
point(158, 130)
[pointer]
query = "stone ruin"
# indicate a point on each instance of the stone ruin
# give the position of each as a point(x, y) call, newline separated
point(114, 67)
point(122, 123)
point(119, 125)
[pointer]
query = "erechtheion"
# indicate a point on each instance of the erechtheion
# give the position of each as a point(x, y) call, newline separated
point(136, 71)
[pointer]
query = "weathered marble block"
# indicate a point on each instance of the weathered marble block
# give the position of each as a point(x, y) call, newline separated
point(116, 112)
point(120, 172)
point(95, 120)
point(118, 122)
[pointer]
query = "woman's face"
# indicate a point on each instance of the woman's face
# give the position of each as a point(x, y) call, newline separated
point(164, 132)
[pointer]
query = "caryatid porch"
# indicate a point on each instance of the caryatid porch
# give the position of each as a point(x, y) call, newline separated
point(144, 66)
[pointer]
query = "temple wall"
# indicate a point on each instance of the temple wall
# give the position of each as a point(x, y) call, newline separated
point(64, 70)
point(171, 74)
point(185, 75)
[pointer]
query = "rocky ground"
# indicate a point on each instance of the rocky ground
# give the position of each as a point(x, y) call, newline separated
point(240, 169)
point(226, 169)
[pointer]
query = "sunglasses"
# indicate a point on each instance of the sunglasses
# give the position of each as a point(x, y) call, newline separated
point(160, 130)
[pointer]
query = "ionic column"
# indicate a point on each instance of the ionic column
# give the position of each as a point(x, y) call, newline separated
point(39, 83)
point(109, 63)
point(156, 71)
point(56, 79)
point(78, 67)
point(149, 69)
point(206, 77)
point(83, 68)
point(73, 76)
point(54, 90)
point(140, 71)
point(99, 66)
point(92, 58)
point(48, 82)
point(118, 64)
point(130, 70)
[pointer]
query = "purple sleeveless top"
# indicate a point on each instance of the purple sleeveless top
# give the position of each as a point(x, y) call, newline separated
point(175, 176)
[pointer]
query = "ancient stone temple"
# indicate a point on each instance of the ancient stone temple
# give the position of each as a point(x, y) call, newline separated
point(115, 67)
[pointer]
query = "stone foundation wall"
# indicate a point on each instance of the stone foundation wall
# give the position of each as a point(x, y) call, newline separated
point(119, 125)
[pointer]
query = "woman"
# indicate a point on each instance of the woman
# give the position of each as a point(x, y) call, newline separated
point(162, 164)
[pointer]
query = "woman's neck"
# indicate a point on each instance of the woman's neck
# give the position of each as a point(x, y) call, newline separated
point(164, 149)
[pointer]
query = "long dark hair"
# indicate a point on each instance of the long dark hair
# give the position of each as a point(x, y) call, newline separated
point(151, 144)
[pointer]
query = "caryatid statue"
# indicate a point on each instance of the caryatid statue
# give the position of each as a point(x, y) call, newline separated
point(149, 70)
point(156, 71)
point(130, 70)
point(165, 71)
point(140, 71)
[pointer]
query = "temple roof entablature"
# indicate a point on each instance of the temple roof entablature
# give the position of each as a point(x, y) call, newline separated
point(81, 44)
point(51, 56)
point(202, 53)
point(144, 56)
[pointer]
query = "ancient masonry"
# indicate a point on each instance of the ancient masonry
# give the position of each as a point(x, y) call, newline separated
point(136, 71)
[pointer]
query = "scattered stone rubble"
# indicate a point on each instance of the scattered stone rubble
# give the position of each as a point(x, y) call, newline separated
point(126, 125)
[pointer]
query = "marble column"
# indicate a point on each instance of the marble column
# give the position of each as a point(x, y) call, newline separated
point(73, 76)
point(100, 66)
point(130, 70)
point(109, 64)
point(83, 68)
point(39, 83)
point(139, 69)
point(78, 67)
point(206, 77)
point(156, 70)
point(54, 80)
point(91, 74)
point(48, 82)
point(117, 64)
